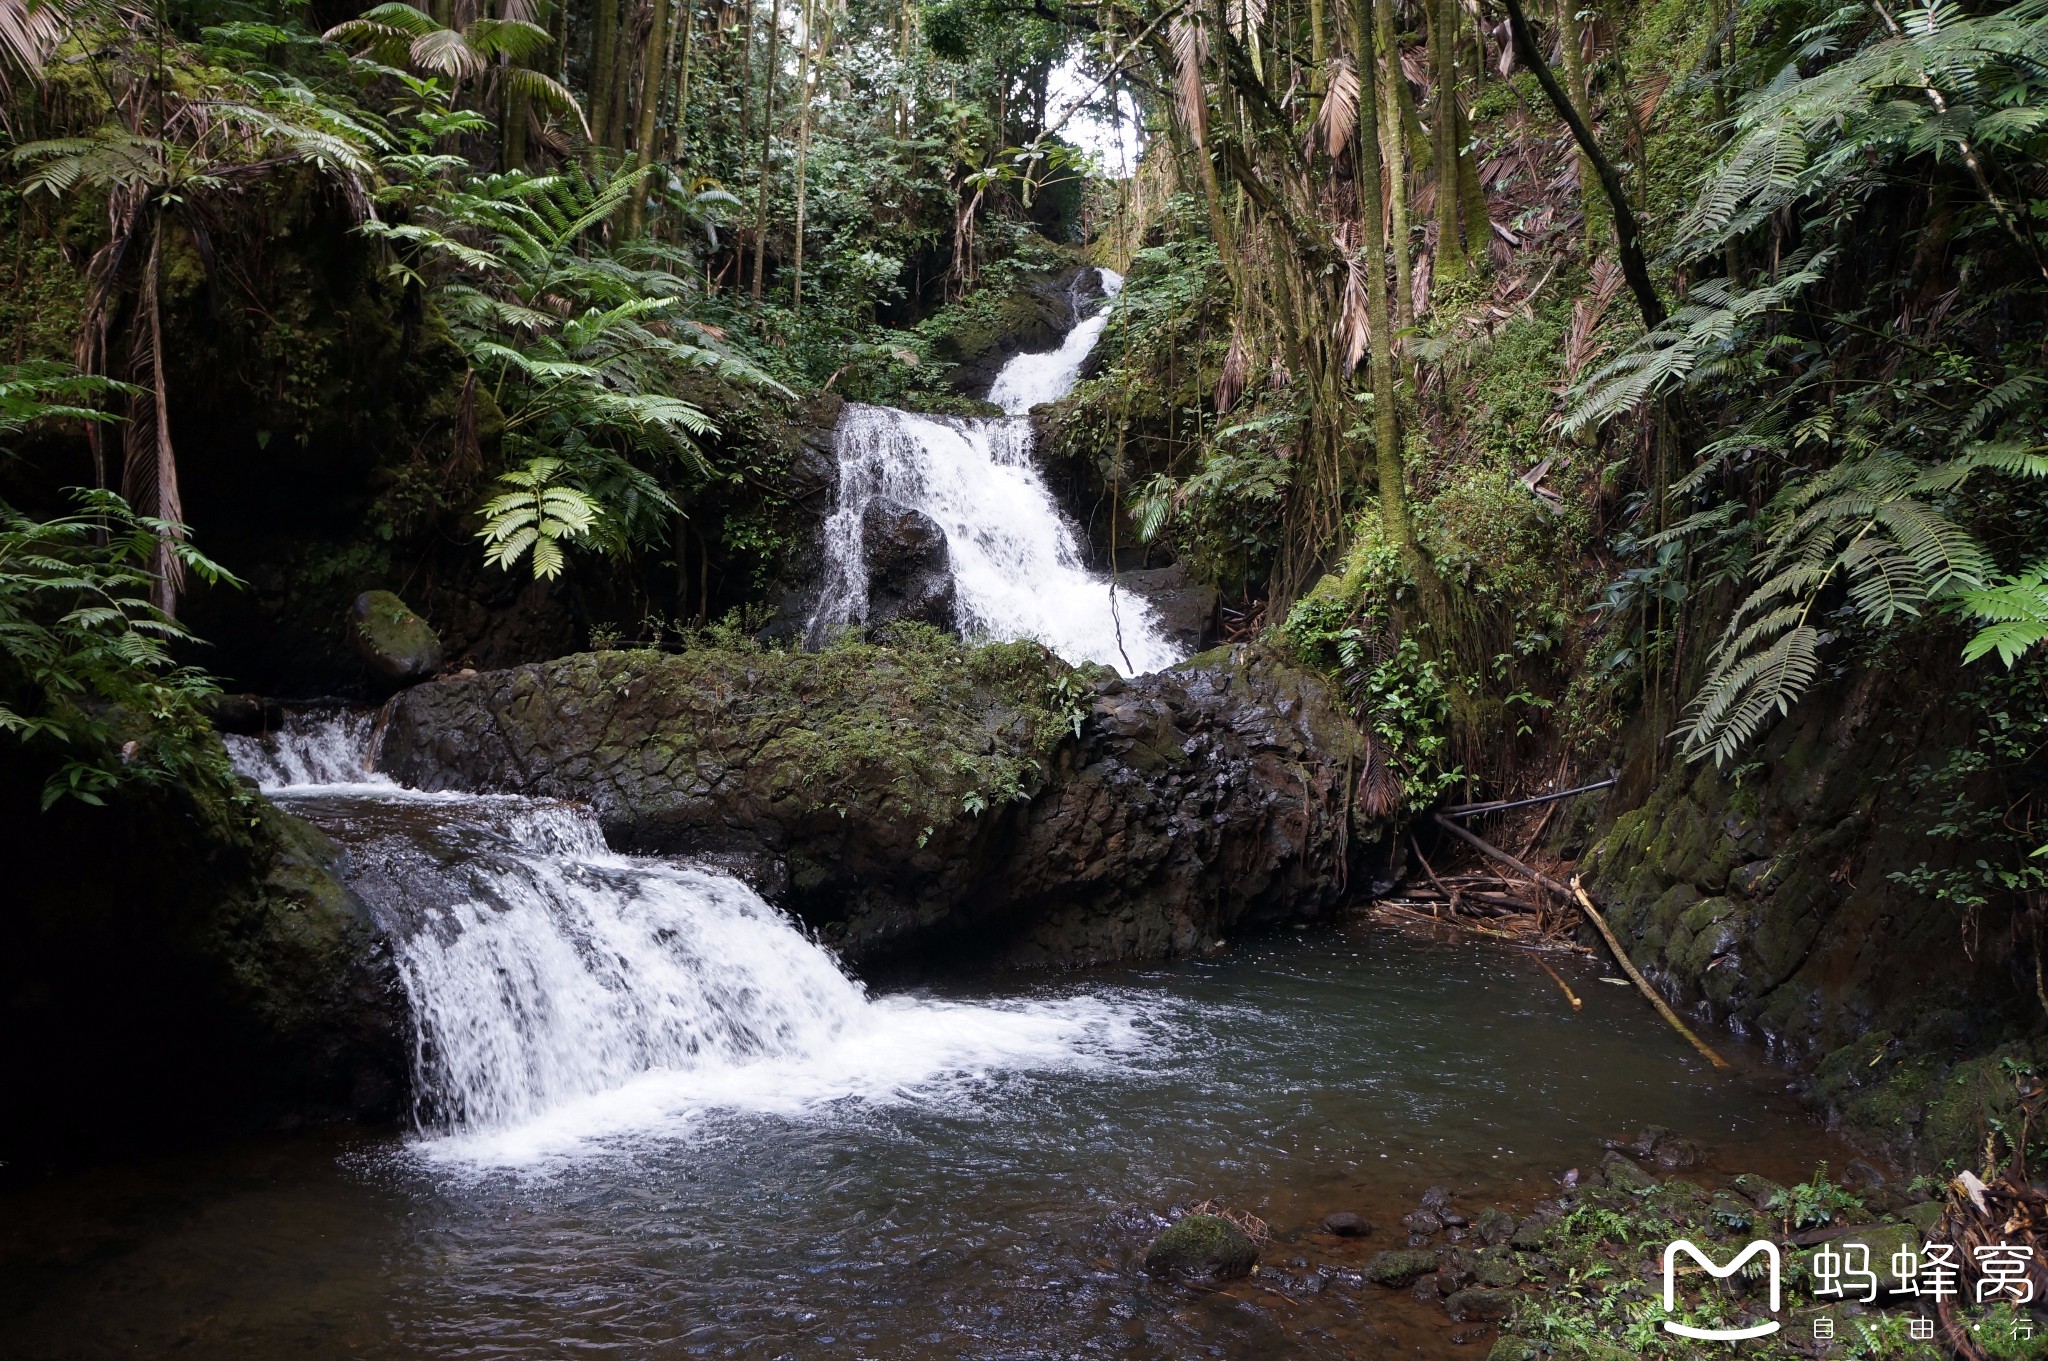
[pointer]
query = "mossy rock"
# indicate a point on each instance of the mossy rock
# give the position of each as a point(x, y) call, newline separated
point(1761, 1192)
point(1925, 1217)
point(1514, 1349)
point(1202, 1247)
point(1626, 1174)
point(399, 646)
point(1494, 1225)
point(1482, 1303)
point(1400, 1267)
point(1496, 1267)
point(1731, 1211)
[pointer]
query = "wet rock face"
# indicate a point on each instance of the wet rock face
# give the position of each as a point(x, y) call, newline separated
point(397, 644)
point(1782, 903)
point(910, 571)
point(1193, 800)
point(1187, 609)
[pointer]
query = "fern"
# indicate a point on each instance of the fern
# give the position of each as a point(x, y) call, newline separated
point(536, 514)
point(1869, 525)
point(1944, 85)
point(2014, 613)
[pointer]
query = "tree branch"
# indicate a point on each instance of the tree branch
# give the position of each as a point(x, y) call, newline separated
point(1627, 234)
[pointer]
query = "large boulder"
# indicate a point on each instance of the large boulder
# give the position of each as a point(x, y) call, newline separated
point(397, 644)
point(910, 570)
point(1187, 609)
point(910, 797)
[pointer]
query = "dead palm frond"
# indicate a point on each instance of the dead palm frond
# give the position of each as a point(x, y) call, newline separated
point(1337, 120)
point(29, 33)
point(1237, 367)
point(1190, 55)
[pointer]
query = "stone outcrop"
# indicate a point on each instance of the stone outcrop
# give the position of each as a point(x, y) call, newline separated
point(181, 962)
point(904, 800)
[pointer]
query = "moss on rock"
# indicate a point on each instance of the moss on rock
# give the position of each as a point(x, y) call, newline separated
point(1202, 1247)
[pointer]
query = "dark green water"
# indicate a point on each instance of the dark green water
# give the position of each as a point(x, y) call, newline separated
point(997, 1214)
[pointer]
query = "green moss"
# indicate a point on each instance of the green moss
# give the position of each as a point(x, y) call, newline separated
point(1202, 1247)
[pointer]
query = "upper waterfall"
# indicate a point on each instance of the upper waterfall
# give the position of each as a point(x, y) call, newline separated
point(1017, 566)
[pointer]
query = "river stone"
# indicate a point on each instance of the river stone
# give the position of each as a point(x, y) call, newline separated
point(910, 569)
point(1346, 1225)
point(1497, 1267)
point(1400, 1266)
point(1202, 1247)
point(1482, 1302)
point(1495, 1225)
point(399, 646)
point(1625, 1174)
point(1761, 1192)
point(1925, 1217)
point(1514, 1349)
point(1884, 1241)
point(1436, 1198)
point(1531, 1235)
point(1421, 1221)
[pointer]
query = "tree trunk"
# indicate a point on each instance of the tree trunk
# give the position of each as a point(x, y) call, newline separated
point(767, 144)
point(1573, 39)
point(679, 130)
point(1443, 42)
point(1367, 180)
point(653, 65)
point(604, 51)
point(622, 80)
point(803, 151)
point(1394, 141)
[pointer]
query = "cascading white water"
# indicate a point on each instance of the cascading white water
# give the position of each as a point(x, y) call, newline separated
point(561, 992)
point(1018, 570)
point(1030, 379)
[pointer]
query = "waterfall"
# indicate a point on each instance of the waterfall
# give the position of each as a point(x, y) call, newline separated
point(562, 993)
point(1018, 570)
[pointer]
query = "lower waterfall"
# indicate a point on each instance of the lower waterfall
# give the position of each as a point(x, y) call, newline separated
point(562, 993)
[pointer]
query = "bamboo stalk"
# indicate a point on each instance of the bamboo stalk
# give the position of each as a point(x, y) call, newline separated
point(1628, 967)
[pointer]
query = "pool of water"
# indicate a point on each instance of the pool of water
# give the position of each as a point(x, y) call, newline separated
point(989, 1213)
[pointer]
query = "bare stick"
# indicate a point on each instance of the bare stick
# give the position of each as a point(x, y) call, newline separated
point(1628, 967)
point(1558, 979)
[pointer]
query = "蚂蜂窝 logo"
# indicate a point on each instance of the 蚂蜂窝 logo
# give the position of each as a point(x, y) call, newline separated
point(1770, 1252)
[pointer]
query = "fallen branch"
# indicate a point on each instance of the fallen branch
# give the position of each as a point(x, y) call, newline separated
point(1487, 848)
point(1635, 976)
point(1460, 810)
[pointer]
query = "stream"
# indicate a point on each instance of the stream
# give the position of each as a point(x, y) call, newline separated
point(654, 1119)
point(658, 1121)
